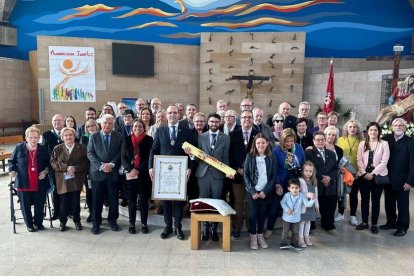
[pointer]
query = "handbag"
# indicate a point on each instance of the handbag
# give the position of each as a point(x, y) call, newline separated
point(382, 179)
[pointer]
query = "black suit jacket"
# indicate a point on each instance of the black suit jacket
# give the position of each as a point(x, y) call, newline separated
point(51, 140)
point(162, 144)
point(329, 168)
point(97, 154)
point(80, 131)
point(238, 150)
point(401, 163)
point(290, 122)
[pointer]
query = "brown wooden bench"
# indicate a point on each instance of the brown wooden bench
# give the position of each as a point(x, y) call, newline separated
point(7, 140)
point(14, 128)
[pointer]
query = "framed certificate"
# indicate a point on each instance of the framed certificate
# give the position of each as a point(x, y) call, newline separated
point(170, 181)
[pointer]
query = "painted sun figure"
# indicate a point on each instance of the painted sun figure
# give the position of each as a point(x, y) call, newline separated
point(69, 71)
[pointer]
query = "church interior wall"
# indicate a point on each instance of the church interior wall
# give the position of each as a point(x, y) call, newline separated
point(177, 79)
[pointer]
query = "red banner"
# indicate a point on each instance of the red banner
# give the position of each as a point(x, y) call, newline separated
point(328, 103)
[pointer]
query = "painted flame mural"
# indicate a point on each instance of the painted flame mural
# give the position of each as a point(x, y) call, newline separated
point(335, 28)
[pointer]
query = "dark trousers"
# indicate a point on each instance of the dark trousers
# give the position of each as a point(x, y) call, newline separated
point(138, 187)
point(27, 199)
point(192, 187)
point(273, 211)
point(98, 192)
point(55, 196)
point(400, 200)
point(327, 206)
point(70, 204)
point(353, 197)
point(88, 192)
point(169, 208)
point(257, 213)
point(227, 191)
point(370, 192)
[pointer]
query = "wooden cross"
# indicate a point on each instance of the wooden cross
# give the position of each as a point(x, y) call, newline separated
point(250, 79)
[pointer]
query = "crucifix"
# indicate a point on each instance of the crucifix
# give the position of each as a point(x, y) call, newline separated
point(250, 78)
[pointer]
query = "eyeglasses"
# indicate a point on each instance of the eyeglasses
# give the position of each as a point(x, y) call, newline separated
point(398, 125)
point(127, 116)
point(322, 118)
point(229, 116)
point(246, 105)
point(90, 126)
point(199, 122)
point(279, 121)
point(247, 117)
point(319, 140)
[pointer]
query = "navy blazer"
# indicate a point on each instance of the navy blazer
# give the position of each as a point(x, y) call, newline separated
point(329, 168)
point(97, 154)
point(162, 144)
point(19, 162)
point(238, 151)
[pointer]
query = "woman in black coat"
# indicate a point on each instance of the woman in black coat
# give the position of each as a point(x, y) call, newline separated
point(30, 165)
point(138, 148)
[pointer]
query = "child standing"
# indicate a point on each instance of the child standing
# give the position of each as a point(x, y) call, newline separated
point(292, 208)
point(259, 181)
point(309, 189)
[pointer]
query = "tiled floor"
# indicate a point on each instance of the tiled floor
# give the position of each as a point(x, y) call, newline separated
point(348, 252)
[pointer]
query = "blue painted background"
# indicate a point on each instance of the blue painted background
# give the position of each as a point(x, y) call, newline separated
point(348, 28)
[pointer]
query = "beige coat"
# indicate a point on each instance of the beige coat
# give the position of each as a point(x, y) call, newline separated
point(61, 159)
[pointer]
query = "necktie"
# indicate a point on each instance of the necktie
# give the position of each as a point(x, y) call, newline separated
point(322, 154)
point(213, 140)
point(246, 138)
point(106, 142)
point(173, 134)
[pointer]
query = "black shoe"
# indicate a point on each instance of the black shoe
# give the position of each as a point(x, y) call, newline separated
point(89, 219)
point(124, 203)
point(39, 227)
point(180, 234)
point(132, 229)
point(31, 229)
point(95, 229)
point(114, 226)
point(295, 246)
point(78, 226)
point(388, 226)
point(205, 234)
point(284, 245)
point(167, 231)
point(374, 229)
point(144, 229)
point(214, 235)
point(62, 226)
point(362, 226)
point(400, 233)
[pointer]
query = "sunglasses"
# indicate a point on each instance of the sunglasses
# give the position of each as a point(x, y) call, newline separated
point(279, 121)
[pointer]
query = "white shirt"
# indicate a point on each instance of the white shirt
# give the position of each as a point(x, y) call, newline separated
point(261, 168)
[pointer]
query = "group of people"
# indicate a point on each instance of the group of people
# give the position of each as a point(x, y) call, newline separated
point(285, 166)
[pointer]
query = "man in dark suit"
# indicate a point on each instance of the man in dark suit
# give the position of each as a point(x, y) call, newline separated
point(105, 149)
point(240, 144)
point(210, 180)
point(188, 122)
point(401, 172)
point(51, 139)
point(289, 121)
point(90, 113)
point(168, 140)
point(324, 161)
point(262, 127)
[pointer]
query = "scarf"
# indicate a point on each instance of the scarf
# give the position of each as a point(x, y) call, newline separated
point(136, 140)
point(291, 160)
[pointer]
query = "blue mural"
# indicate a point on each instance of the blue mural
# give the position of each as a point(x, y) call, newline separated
point(335, 28)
